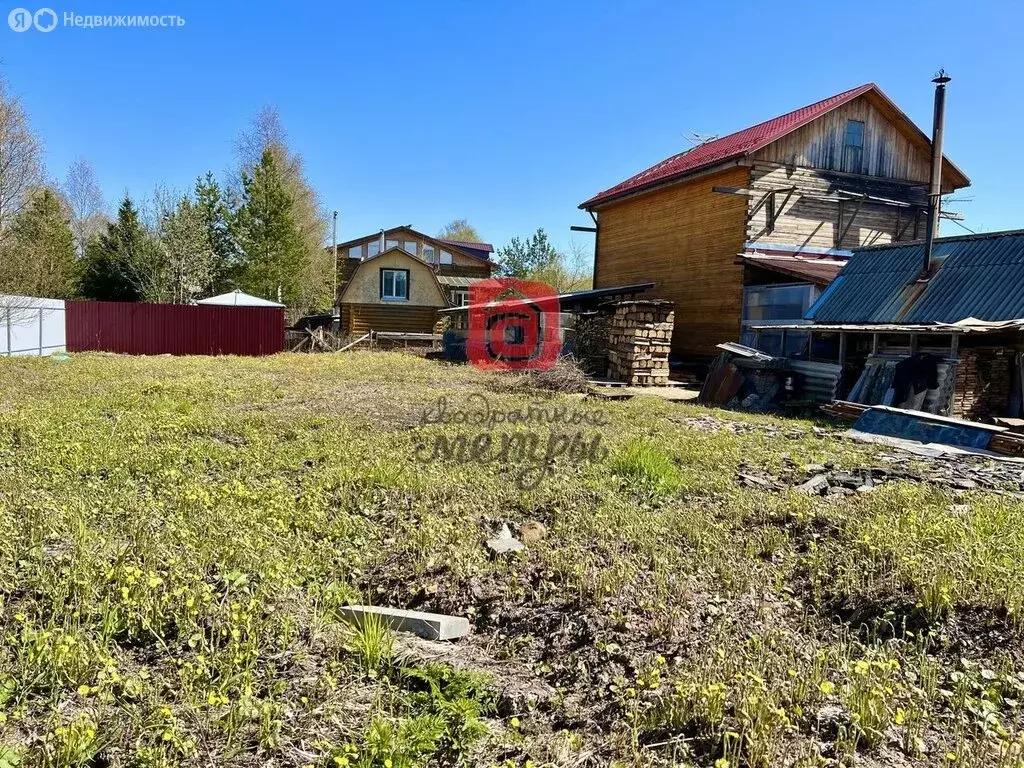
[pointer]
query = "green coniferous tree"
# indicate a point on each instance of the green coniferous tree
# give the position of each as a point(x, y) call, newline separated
point(268, 234)
point(120, 263)
point(214, 206)
point(38, 257)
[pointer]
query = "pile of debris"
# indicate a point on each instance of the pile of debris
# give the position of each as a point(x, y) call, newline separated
point(639, 341)
point(957, 474)
point(744, 377)
point(926, 433)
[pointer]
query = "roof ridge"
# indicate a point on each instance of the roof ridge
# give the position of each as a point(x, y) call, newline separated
point(736, 144)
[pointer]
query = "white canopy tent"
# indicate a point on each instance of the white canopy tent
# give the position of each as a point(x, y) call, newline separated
point(238, 298)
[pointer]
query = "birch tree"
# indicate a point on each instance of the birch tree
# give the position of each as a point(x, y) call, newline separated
point(85, 203)
point(187, 259)
point(459, 229)
point(21, 164)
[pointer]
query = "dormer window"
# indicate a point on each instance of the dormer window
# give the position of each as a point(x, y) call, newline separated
point(853, 146)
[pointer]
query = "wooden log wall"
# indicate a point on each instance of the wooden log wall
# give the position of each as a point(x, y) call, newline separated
point(357, 319)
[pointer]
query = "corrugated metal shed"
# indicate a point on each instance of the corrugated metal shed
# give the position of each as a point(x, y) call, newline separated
point(980, 276)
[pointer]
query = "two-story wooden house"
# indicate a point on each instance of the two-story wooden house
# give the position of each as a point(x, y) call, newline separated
point(397, 279)
point(747, 228)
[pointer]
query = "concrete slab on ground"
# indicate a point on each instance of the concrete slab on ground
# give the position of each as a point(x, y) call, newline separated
point(618, 391)
point(430, 626)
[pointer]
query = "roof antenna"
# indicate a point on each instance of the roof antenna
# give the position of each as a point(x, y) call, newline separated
point(935, 184)
point(697, 139)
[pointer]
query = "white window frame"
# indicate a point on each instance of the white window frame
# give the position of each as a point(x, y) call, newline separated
point(446, 258)
point(372, 248)
point(429, 254)
point(461, 296)
point(355, 252)
point(393, 297)
point(389, 244)
point(407, 249)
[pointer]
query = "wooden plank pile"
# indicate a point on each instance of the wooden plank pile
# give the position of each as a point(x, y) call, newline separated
point(639, 341)
point(844, 409)
point(1007, 443)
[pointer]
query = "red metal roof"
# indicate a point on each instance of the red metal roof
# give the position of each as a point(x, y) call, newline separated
point(736, 144)
point(469, 244)
point(820, 270)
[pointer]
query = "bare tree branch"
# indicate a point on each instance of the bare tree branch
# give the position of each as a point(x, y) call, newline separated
point(21, 165)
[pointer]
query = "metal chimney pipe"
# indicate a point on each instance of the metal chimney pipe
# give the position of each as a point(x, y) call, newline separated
point(334, 236)
point(935, 184)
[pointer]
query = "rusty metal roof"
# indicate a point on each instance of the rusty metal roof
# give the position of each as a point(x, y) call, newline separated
point(979, 276)
point(820, 270)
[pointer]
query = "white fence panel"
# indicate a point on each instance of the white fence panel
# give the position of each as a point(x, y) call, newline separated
point(31, 326)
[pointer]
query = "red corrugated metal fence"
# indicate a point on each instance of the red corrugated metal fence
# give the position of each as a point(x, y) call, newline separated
point(176, 329)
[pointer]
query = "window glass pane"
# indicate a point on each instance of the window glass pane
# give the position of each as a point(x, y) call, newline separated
point(446, 258)
point(389, 283)
point(796, 344)
point(401, 285)
point(428, 254)
point(373, 248)
point(389, 244)
point(355, 252)
point(777, 302)
point(410, 247)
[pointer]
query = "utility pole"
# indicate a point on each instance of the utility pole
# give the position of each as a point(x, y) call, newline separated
point(935, 183)
point(334, 227)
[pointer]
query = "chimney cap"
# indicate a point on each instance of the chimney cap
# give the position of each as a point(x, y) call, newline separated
point(941, 77)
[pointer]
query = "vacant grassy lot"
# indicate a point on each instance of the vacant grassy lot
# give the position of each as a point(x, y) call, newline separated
point(176, 536)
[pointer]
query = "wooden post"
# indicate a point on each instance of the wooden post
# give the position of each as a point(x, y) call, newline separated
point(842, 349)
point(913, 344)
point(954, 347)
point(874, 343)
point(810, 346)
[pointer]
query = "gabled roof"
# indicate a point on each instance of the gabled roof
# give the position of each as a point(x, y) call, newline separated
point(237, 298)
point(480, 251)
point(978, 276)
point(738, 145)
point(403, 252)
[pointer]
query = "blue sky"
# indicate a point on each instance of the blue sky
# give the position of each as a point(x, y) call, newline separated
point(508, 114)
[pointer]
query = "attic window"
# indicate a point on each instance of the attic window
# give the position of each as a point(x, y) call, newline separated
point(394, 284)
point(428, 253)
point(853, 146)
point(446, 258)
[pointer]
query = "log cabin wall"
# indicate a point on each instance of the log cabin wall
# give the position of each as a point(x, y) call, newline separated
point(683, 238)
point(809, 222)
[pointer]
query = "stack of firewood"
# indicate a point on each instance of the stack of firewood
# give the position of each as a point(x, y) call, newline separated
point(640, 339)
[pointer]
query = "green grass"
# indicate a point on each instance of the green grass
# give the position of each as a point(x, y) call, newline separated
point(177, 535)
